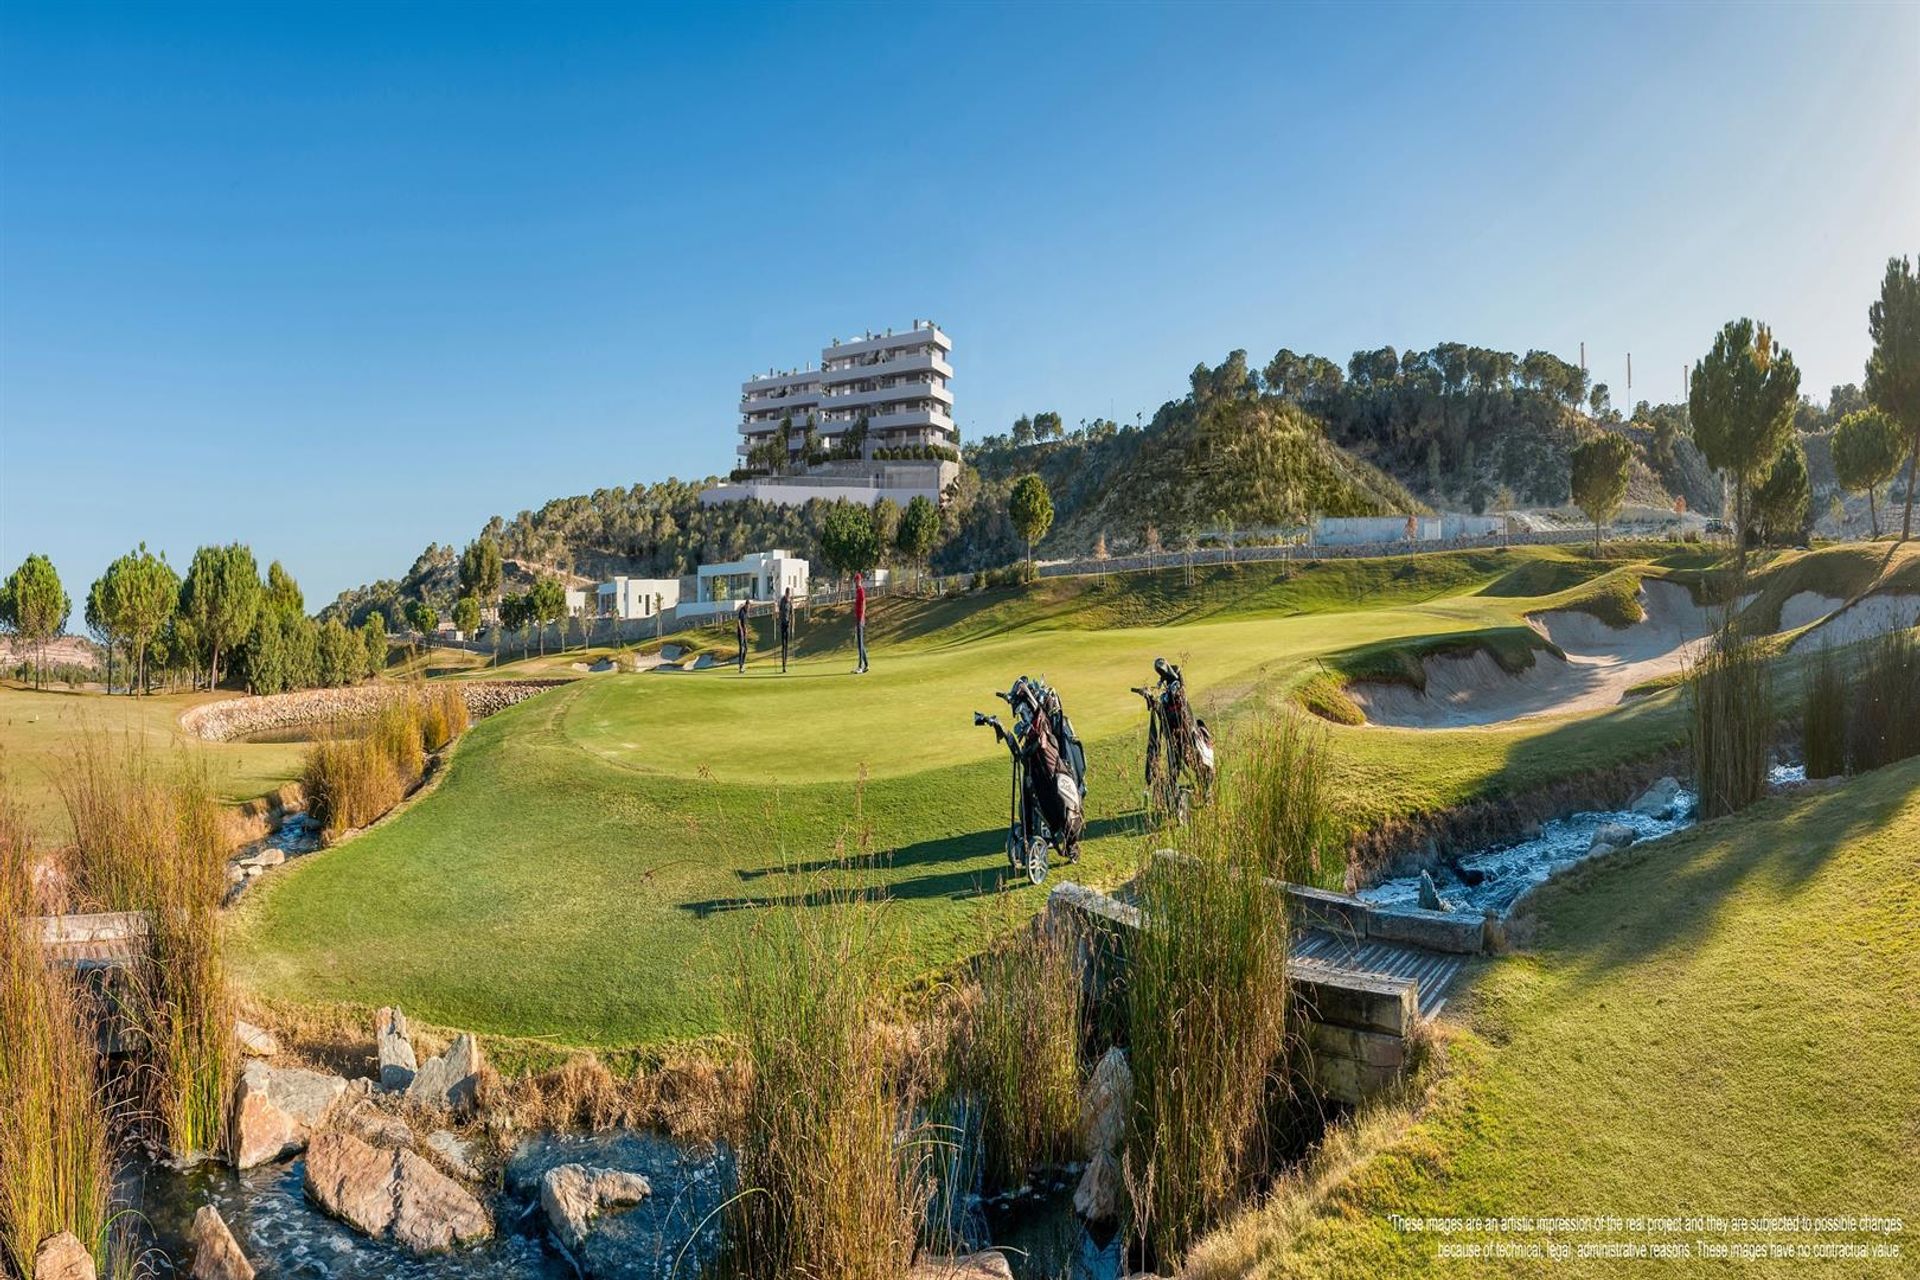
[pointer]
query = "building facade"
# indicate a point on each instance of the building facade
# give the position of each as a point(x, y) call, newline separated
point(875, 419)
point(760, 576)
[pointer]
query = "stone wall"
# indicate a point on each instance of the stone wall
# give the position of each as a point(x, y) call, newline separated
point(237, 717)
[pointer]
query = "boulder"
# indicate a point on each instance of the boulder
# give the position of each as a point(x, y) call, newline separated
point(364, 1119)
point(988, 1264)
point(1657, 800)
point(1105, 1104)
point(393, 1195)
point(352, 1181)
point(432, 1212)
point(450, 1080)
point(453, 1153)
point(267, 857)
point(1101, 1192)
point(216, 1254)
point(1430, 899)
point(572, 1195)
point(63, 1257)
point(394, 1049)
point(255, 1042)
point(1611, 836)
point(277, 1109)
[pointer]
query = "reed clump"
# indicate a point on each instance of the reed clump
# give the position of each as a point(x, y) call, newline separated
point(355, 775)
point(1886, 713)
point(1206, 1014)
point(835, 1163)
point(1824, 714)
point(55, 1173)
point(1281, 806)
point(1018, 1053)
point(1730, 695)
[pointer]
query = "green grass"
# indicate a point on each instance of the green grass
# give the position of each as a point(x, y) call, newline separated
point(1718, 1023)
point(593, 856)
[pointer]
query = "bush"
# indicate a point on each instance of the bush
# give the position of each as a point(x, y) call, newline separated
point(361, 771)
point(1825, 713)
point(1886, 719)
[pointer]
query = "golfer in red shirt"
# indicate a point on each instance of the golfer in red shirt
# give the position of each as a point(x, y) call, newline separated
point(860, 622)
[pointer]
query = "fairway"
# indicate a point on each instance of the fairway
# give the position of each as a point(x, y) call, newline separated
point(596, 860)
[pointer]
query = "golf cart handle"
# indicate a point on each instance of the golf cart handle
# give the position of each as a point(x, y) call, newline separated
point(979, 719)
point(1005, 697)
point(1143, 691)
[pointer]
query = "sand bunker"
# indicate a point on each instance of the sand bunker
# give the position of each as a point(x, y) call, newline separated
point(1602, 663)
point(1805, 607)
point(1874, 616)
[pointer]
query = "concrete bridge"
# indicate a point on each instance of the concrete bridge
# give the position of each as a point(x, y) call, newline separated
point(1361, 978)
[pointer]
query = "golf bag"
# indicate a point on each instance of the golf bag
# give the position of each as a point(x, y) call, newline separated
point(1054, 760)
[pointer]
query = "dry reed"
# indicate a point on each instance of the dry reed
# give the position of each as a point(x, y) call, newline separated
point(1730, 693)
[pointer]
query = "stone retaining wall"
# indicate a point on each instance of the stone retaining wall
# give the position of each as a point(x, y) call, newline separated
point(237, 717)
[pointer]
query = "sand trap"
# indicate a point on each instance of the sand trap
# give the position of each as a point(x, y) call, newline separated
point(1805, 607)
point(1602, 663)
point(1874, 616)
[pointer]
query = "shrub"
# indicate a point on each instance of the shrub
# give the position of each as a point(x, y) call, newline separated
point(54, 1170)
point(1019, 1053)
point(834, 1168)
point(1730, 692)
point(1278, 810)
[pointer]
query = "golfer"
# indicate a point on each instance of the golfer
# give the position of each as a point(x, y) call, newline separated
point(860, 621)
point(786, 626)
point(740, 634)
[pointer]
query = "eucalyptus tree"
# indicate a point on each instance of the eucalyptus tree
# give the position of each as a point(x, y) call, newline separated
point(1741, 400)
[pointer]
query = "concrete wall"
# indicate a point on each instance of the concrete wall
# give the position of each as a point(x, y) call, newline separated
point(1343, 531)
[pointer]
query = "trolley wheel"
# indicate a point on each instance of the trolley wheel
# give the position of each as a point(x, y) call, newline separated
point(1036, 860)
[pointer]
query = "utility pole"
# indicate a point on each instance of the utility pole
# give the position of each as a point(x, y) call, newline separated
point(1629, 379)
point(1583, 357)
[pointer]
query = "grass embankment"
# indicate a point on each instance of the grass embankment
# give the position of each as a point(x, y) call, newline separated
point(593, 856)
point(1717, 1023)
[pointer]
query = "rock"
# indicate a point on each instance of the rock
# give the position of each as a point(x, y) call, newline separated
point(393, 1195)
point(352, 1181)
point(366, 1121)
point(236, 874)
point(1657, 800)
point(1430, 899)
point(574, 1194)
point(394, 1048)
point(1612, 836)
point(451, 1079)
point(256, 1042)
point(63, 1257)
point(432, 1212)
point(988, 1264)
point(277, 1109)
point(455, 1154)
point(1104, 1106)
point(260, 861)
point(216, 1254)
point(1099, 1196)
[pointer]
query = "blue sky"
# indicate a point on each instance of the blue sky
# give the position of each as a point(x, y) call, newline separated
point(344, 280)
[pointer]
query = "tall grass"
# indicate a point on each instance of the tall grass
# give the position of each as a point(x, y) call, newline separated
point(1886, 714)
point(1018, 1053)
point(835, 1168)
point(1825, 714)
point(354, 776)
point(1280, 808)
point(55, 1173)
point(150, 837)
point(1730, 694)
point(1206, 1010)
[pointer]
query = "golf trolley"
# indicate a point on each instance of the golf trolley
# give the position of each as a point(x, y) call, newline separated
point(1179, 747)
point(1049, 772)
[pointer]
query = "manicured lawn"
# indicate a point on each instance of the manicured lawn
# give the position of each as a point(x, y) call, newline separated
point(1720, 1023)
point(39, 730)
point(597, 859)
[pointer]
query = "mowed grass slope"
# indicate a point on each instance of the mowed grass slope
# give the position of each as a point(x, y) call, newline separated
point(1721, 1023)
point(597, 858)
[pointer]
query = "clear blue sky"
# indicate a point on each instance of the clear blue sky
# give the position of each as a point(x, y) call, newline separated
point(346, 279)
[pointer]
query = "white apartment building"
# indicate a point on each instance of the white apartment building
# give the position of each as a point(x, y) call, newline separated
point(880, 412)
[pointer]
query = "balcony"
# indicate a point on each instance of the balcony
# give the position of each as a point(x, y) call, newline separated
point(920, 336)
point(893, 366)
point(882, 395)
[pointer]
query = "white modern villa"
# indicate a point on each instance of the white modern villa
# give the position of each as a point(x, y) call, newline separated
point(874, 421)
point(760, 576)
